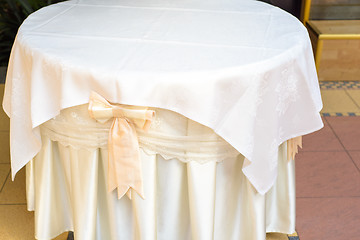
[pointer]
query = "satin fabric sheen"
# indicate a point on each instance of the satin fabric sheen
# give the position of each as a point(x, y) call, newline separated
point(242, 68)
point(199, 199)
point(67, 190)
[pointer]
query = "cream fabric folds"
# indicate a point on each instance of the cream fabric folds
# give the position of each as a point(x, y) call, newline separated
point(191, 196)
point(124, 172)
point(242, 68)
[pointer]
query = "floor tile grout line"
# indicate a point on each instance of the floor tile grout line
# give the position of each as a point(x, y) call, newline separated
point(347, 152)
point(2, 187)
point(352, 99)
point(332, 130)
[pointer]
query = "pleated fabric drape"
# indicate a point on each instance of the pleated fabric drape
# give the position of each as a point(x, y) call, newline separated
point(184, 198)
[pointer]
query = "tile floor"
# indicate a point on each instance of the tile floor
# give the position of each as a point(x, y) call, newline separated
point(340, 98)
point(327, 173)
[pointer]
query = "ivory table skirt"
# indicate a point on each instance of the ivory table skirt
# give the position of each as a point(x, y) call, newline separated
point(200, 200)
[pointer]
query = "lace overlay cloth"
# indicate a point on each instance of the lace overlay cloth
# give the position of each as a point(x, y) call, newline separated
point(170, 135)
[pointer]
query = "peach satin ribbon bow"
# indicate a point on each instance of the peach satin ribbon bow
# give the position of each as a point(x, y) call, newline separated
point(292, 147)
point(124, 166)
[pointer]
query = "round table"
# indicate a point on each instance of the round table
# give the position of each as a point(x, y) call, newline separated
point(243, 69)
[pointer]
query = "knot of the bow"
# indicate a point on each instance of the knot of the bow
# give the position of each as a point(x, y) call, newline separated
point(124, 165)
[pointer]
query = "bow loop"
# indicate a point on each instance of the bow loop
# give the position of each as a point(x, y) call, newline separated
point(124, 166)
point(99, 108)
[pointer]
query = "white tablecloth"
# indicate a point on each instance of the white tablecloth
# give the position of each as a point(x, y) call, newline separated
point(243, 68)
point(193, 185)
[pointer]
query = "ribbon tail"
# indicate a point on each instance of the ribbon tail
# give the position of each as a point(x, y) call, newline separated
point(124, 170)
point(128, 191)
point(124, 165)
